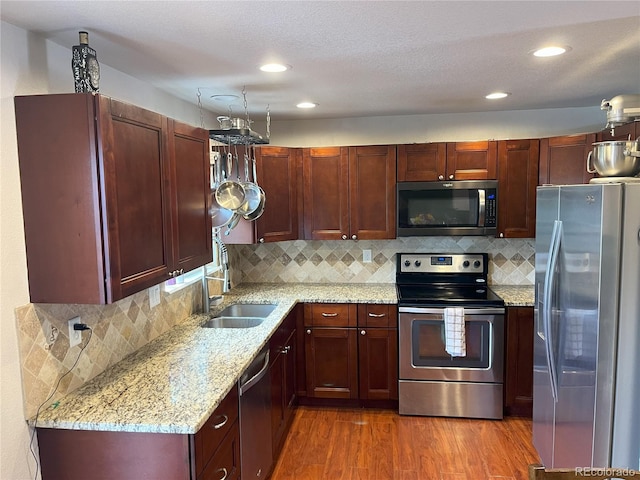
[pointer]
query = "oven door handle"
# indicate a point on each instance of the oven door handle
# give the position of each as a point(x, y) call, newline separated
point(467, 311)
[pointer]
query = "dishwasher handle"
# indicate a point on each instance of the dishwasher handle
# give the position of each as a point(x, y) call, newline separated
point(246, 386)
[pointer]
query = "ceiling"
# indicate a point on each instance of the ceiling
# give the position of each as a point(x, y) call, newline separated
point(357, 58)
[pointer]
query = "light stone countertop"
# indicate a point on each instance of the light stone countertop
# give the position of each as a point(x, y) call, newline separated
point(515, 295)
point(173, 384)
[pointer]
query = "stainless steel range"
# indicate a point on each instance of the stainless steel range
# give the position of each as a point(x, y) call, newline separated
point(451, 336)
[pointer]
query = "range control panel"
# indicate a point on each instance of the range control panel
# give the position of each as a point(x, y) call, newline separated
point(442, 263)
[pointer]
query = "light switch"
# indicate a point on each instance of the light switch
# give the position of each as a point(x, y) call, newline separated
point(154, 296)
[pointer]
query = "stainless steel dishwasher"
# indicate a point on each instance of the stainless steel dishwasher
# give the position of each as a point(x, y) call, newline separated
point(254, 386)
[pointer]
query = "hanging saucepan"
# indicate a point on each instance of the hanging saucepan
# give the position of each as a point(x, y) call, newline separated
point(252, 192)
point(225, 122)
point(260, 208)
point(219, 216)
point(230, 194)
point(615, 158)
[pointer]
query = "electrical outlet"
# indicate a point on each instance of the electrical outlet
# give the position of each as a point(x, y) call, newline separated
point(366, 256)
point(154, 296)
point(75, 336)
point(51, 336)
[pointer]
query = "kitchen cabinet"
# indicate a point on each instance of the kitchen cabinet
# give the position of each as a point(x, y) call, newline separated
point(563, 160)
point(283, 380)
point(206, 455)
point(378, 351)
point(115, 197)
point(517, 181)
point(349, 192)
point(351, 351)
point(279, 175)
point(518, 383)
point(429, 162)
point(331, 350)
point(628, 131)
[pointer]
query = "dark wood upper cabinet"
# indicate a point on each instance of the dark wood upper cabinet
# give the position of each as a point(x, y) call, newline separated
point(517, 181)
point(563, 160)
point(432, 162)
point(279, 175)
point(628, 131)
point(422, 162)
point(349, 192)
point(115, 197)
point(472, 161)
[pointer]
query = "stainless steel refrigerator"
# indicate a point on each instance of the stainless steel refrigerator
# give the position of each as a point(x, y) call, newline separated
point(586, 411)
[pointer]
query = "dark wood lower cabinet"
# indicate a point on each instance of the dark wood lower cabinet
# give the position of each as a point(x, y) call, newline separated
point(518, 384)
point(378, 362)
point(211, 454)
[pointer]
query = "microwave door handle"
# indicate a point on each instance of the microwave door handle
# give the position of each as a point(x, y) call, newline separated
point(482, 207)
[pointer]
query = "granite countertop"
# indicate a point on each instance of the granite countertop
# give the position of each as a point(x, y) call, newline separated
point(515, 295)
point(173, 384)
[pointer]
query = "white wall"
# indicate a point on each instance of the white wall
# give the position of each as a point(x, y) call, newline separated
point(31, 65)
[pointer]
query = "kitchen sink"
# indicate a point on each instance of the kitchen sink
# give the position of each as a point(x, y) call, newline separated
point(241, 315)
point(233, 322)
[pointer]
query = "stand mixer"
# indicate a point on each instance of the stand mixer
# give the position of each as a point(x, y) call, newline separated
point(621, 109)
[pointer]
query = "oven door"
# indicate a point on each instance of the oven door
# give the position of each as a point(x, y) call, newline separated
point(422, 354)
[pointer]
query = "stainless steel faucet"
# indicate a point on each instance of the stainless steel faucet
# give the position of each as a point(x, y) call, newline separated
point(223, 259)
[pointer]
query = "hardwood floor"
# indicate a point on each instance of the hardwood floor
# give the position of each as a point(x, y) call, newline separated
point(362, 444)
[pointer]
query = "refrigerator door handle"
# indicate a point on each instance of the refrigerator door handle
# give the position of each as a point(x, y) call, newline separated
point(549, 284)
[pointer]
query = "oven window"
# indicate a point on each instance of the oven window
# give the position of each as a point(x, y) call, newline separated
point(438, 208)
point(428, 345)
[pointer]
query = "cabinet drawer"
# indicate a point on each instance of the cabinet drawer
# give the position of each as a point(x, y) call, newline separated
point(221, 421)
point(377, 315)
point(226, 461)
point(330, 315)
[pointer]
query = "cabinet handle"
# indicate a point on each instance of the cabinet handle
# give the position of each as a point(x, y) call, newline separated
point(329, 314)
point(377, 315)
point(451, 177)
point(217, 426)
point(286, 349)
point(363, 332)
point(225, 473)
point(344, 237)
point(309, 332)
point(354, 237)
point(440, 177)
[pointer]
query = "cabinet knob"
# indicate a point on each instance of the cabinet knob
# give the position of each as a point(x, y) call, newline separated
point(354, 237)
point(261, 240)
point(440, 177)
point(363, 332)
point(309, 331)
point(344, 237)
point(501, 235)
point(451, 177)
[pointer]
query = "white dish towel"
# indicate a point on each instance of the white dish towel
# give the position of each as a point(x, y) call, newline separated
point(455, 342)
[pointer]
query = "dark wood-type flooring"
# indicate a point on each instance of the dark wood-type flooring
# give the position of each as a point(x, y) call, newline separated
point(363, 444)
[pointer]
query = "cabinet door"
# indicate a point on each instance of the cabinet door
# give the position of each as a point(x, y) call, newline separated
point(331, 362)
point(378, 363)
point(472, 161)
point(628, 131)
point(226, 461)
point(326, 193)
point(191, 223)
point(372, 192)
point(563, 159)
point(283, 393)
point(518, 384)
point(422, 162)
point(135, 178)
point(278, 176)
point(517, 181)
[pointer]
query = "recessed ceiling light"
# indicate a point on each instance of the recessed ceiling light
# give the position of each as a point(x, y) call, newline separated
point(225, 98)
point(550, 51)
point(307, 105)
point(275, 67)
point(496, 95)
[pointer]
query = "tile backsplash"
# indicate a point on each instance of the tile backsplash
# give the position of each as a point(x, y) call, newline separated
point(511, 260)
point(118, 330)
point(123, 327)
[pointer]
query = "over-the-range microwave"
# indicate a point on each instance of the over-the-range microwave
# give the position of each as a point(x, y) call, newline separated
point(457, 207)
